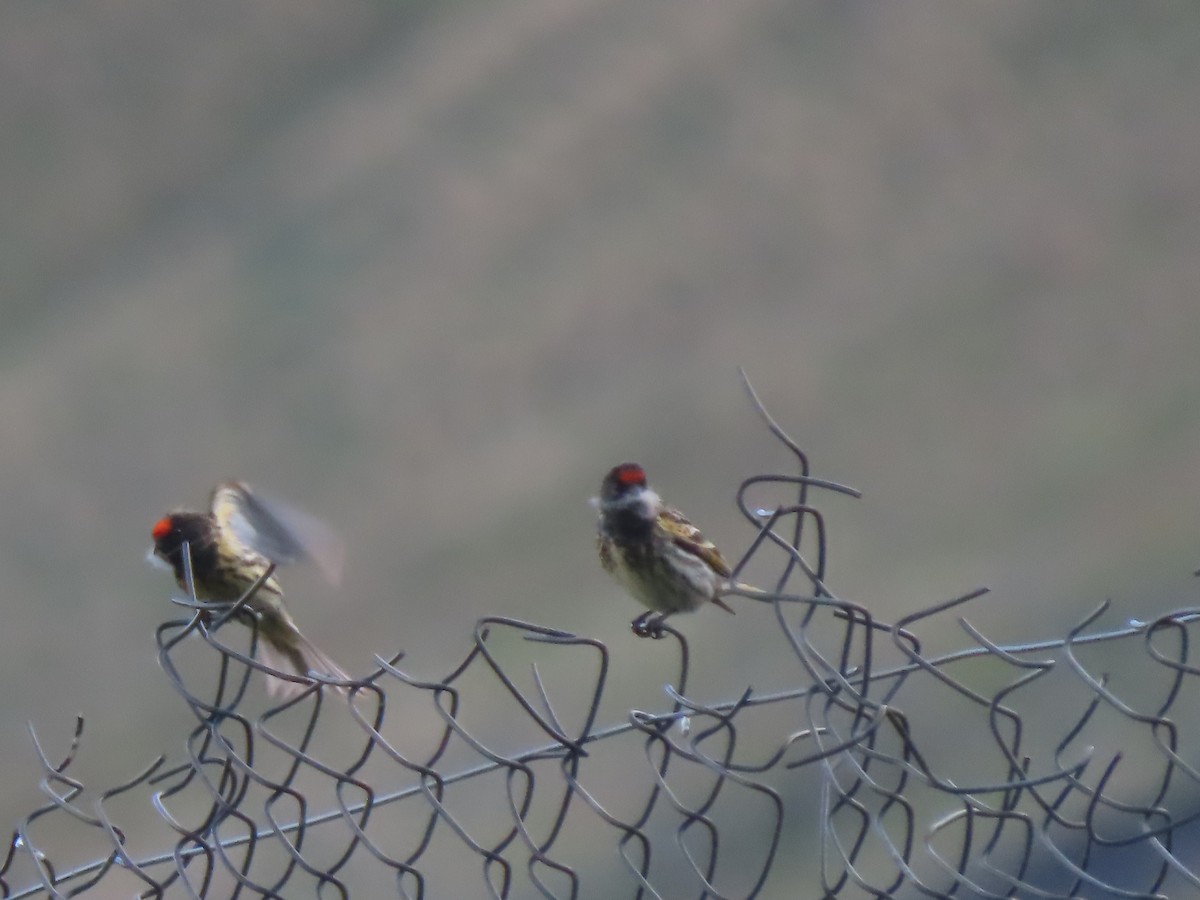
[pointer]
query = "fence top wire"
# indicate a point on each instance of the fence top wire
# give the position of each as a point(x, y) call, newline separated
point(881, 771)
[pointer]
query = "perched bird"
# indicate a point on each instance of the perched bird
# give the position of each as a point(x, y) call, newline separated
point(655, 553)
point(231, 547)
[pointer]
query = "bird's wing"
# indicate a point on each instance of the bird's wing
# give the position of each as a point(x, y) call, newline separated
point(688, 537)
point(281, 533)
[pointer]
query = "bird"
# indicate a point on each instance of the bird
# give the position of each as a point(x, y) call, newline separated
point(652, 550)
point(231, 547)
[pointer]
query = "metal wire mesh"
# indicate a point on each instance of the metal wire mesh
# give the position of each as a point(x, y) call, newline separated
point(1054, 779)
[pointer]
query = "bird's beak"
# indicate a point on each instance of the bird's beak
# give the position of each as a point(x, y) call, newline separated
point(157, 561)
point(594, 502)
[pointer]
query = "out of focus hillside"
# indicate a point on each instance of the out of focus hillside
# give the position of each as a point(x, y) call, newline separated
point(430, 269)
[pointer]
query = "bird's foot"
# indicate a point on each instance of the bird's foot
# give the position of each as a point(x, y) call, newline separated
point(649, 625)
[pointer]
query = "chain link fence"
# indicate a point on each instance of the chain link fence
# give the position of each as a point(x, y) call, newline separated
point(1062, 768)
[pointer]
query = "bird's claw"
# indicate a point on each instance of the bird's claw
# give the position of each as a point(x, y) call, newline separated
point(648, 625)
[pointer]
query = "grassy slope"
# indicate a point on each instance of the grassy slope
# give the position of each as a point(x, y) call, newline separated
point(431, 274)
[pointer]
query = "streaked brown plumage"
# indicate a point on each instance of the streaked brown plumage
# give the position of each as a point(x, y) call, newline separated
point(231, 547)
point(654, 552)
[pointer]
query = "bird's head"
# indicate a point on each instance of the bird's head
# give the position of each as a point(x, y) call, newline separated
point(171, 532)
point(625, 488)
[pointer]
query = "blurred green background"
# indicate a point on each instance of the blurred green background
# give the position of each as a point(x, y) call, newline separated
point(428, 270)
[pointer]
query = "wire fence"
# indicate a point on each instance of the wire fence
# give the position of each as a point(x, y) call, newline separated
point(1036, 770)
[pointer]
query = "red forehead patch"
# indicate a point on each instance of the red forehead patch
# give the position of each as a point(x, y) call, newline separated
point(631, 473)
point(161, 528)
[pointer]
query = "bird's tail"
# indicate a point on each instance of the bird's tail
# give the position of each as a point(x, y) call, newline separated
point(743, 586)
point(734, 586)
point(284, 648)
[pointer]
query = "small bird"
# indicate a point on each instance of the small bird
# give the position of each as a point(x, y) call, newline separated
point(231, 547)
point(654, 552)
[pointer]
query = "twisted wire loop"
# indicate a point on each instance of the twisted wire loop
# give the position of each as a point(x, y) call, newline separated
point(1054, 769)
